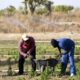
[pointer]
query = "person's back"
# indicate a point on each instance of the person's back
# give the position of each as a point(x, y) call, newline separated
point(66, 44)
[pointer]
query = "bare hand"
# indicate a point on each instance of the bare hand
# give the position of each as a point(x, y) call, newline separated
point(31, 56)
point(25, 56)
point(59, 55)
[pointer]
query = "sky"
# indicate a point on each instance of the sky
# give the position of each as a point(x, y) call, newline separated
point(17, 3)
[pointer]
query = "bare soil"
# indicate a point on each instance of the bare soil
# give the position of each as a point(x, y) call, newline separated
point(42, 36)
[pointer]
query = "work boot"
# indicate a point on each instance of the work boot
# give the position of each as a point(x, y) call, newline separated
point(16, 74)
point(20, 73)
point(63, 70)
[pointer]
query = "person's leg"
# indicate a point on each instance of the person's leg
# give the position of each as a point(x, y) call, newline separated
point(33, 56)
point(21, 64)
point(64, 63)
point(33, 64)
point(72, 66)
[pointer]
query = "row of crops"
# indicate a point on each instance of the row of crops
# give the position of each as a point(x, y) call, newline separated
point(41, 49)
point(10, 63)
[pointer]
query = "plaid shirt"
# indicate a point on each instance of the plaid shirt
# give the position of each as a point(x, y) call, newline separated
point(29, 46)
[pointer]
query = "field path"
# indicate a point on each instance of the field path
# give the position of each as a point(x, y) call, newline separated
point(42, 36)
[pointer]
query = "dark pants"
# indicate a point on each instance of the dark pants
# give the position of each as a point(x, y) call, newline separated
point(22, 60)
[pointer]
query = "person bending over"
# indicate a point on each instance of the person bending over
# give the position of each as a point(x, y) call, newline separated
point(68, 47)
point(27, 48)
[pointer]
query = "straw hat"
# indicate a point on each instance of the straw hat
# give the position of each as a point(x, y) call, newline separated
point(24, 37)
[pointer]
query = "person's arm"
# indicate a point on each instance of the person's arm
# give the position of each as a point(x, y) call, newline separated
point(62, 53)
point(32, 45)
point(59, 51)
point(20, 48)
point(65, 52)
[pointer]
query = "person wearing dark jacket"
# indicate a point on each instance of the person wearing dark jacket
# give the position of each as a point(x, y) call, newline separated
point(26, 47)
point(68, 47)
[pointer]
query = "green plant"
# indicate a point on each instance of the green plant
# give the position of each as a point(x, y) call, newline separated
point(9, 67)
point(56, 71)
point(77, 50)
point(16, 59)
point(70, 78)
point(32, 73)
point(26, 69)
point(78, 69)
point(21, 78)
point(45, 75)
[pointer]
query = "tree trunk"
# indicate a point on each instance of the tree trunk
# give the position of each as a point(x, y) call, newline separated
point(25, 3)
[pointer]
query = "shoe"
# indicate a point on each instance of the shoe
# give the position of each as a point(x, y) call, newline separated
point(72, 74)
point(16, 74)
point(20, 73)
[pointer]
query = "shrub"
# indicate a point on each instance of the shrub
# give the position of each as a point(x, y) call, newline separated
point(63, 8)
point(41, 11)
point(1, 12)
point(11, 10)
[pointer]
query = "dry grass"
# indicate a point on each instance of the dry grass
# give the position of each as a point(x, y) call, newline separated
point(44, 23)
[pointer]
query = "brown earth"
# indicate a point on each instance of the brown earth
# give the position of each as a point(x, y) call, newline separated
point(42, 36)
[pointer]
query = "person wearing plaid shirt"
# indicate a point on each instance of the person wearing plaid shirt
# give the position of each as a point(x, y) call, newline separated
point(27, 48)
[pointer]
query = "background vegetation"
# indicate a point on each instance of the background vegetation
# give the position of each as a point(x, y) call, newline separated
point(39, 16)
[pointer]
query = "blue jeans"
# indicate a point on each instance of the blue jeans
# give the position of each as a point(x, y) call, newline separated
point(66, 58)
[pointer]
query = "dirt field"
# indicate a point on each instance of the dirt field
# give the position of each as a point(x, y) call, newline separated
point(42, 36)
point(37, 36)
